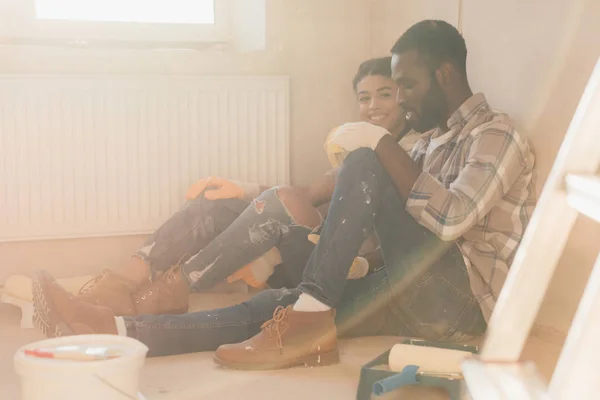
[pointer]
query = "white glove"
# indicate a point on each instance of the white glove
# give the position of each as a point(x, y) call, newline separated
point(355, 135)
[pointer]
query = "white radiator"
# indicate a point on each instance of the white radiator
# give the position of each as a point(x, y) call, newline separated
point(99, 156)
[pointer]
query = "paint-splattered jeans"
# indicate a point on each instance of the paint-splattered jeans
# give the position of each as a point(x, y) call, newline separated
point(423, 291)
point(213, 239)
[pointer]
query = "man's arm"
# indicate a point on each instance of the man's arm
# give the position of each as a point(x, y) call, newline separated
point(495, 160)
point(403, 171)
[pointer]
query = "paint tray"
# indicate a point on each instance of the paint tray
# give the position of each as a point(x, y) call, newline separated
point(377, 370)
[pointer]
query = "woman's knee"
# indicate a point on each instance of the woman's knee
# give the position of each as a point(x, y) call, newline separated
point(201, 204)
point(298, 206)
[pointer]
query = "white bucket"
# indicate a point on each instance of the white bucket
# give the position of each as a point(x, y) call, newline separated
point(113, 379)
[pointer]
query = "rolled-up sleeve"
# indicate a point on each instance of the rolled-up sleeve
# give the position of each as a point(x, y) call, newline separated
point(494, 161)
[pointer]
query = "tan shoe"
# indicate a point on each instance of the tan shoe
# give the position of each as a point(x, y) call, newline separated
point(168, 294)
point(58, 313)
point(291, 338)
point(110, 290)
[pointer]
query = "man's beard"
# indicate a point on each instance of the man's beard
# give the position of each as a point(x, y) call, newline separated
point(434, 109)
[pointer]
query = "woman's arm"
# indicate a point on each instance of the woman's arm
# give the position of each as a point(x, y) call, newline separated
point(321, 191)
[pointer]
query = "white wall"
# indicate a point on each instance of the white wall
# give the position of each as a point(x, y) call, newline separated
point(317, 43)
point(532, 59)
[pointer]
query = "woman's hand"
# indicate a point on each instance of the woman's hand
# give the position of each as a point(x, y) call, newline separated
point(355, 135)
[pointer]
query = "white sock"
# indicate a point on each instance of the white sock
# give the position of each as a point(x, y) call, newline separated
point(309, 304)
point(121, 328)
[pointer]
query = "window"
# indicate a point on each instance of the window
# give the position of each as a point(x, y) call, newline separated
point(160, 21)
point(141, 11)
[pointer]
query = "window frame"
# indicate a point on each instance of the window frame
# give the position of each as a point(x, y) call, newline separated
point(27, 26)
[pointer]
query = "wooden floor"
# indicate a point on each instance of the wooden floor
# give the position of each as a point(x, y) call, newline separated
point(194, 376)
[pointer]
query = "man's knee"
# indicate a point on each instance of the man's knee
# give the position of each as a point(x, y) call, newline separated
point(361, 155)
point(298, 206)
point(359, 162)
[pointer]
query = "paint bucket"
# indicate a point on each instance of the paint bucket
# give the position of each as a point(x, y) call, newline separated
point(107, 379)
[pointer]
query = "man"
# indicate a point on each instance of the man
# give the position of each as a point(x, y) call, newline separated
point(449, 219)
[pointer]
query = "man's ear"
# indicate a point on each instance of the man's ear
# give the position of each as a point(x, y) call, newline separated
point(444, 74)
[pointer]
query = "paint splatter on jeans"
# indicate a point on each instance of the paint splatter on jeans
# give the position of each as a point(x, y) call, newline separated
point(190, 229)
point(213, 239)
point(435, 304)
point(424, 290)
point(264, 224)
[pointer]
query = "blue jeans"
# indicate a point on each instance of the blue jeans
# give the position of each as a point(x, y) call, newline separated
point(213, 239)
point(423, 291)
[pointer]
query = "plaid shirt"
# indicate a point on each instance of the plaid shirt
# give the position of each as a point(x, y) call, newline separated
point(476, 188)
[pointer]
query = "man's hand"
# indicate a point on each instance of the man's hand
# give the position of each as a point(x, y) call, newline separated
point(220, 188)
point(355, 135)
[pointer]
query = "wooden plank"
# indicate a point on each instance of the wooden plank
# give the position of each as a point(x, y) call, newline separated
point(542, 245)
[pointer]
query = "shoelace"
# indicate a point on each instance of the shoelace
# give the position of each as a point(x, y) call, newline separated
point(276, 324)
point(159, 284)
point(168, 277)
point(91, 283)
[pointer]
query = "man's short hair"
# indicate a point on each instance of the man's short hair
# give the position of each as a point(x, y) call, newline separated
point(436, 42)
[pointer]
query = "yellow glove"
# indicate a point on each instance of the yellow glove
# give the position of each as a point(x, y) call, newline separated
point(258, 271)
point(220, 188)
point(335, 153)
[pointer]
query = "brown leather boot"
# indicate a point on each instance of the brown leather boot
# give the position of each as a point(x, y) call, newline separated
point(290, 338)
point(168, 294)
point(58, 313)
point(110, 290)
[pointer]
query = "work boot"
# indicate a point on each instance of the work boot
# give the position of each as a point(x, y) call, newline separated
point(168, 294)
point(58, 313)
point(291, 338)
point(110, 290)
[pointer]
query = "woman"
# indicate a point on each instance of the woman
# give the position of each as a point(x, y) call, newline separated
point(376, 96)
point(217, 233)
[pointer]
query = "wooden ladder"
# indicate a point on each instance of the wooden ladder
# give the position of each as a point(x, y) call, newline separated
point(571, 189)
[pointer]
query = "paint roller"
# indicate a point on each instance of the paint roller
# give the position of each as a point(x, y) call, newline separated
point(410, 361)
point(431, 360)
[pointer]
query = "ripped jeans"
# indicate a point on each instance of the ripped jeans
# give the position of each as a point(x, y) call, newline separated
point(423, 291)
point(214, 239)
